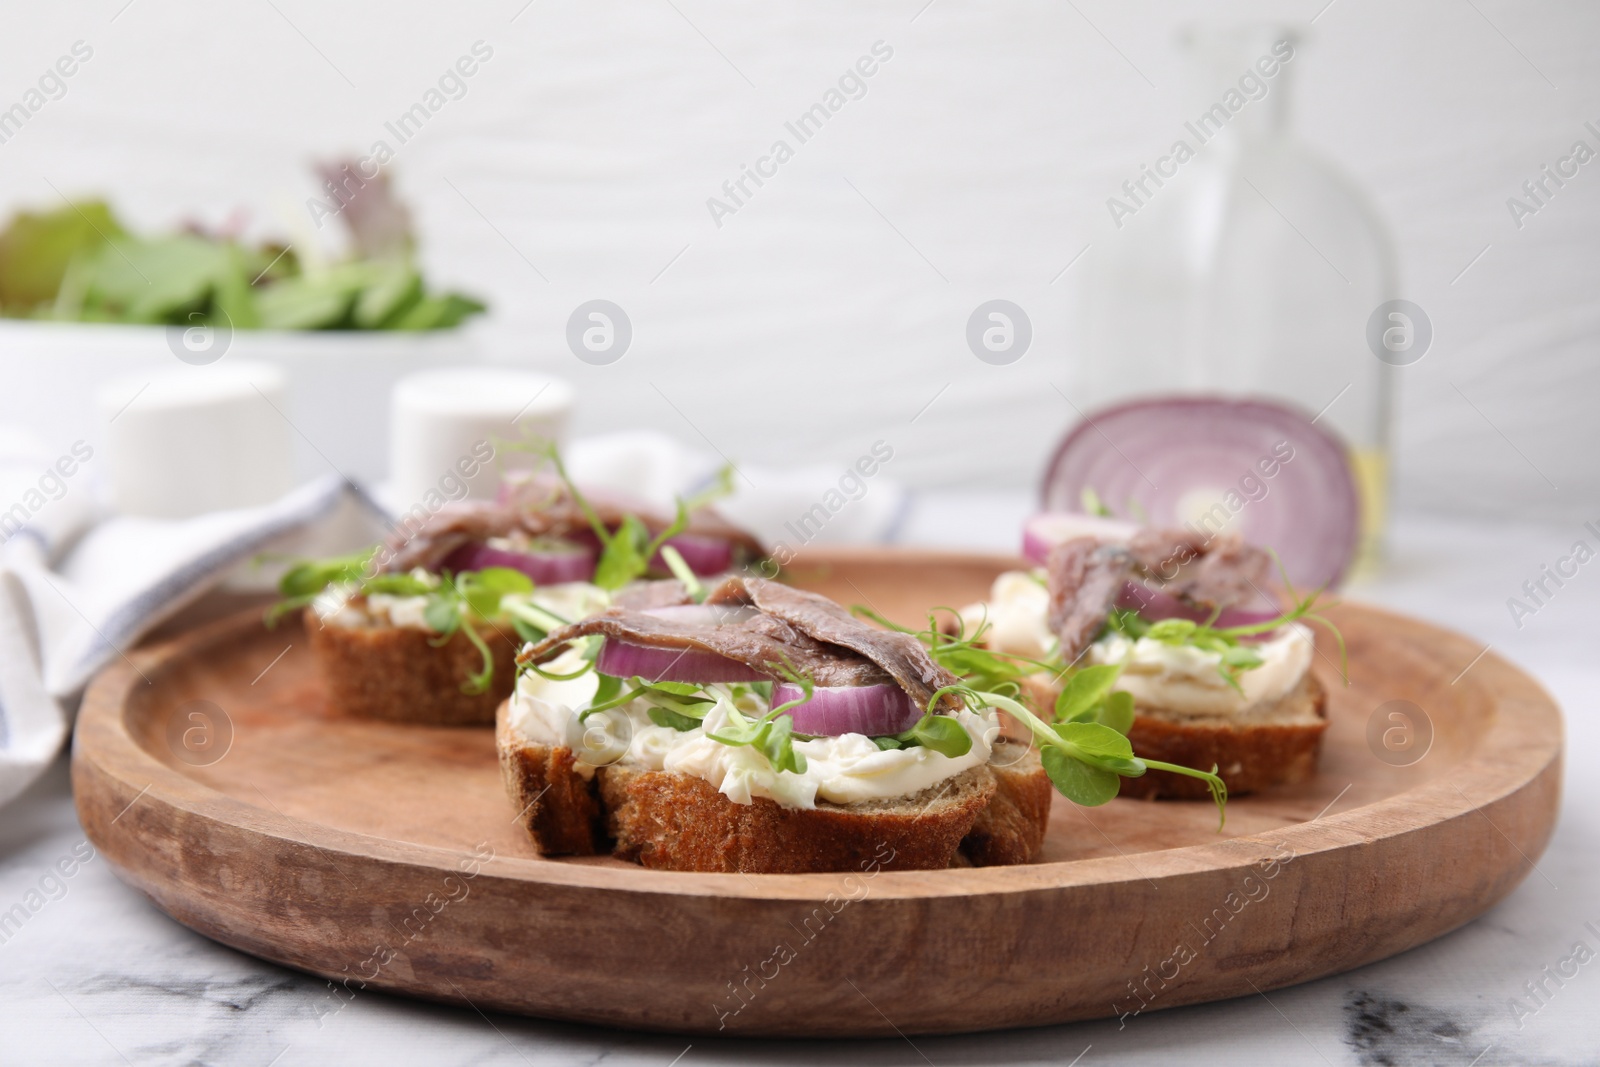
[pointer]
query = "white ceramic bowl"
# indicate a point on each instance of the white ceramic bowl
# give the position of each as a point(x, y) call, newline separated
point(339, 382)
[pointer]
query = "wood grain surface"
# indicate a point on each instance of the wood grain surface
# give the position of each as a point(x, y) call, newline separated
point(385, 856)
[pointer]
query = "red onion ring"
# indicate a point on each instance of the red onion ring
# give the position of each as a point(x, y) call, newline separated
point(873, 710)
point(552, 566)
point(1172, 456)
point(624, 659)
point(1045, 531)
point(1153, 605)
point(704, 555)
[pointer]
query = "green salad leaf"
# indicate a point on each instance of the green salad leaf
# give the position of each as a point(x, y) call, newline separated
point(80, 263)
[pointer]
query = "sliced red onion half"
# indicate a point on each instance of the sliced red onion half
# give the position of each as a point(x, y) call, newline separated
point(1154, 605)
point(624, 659)
point(546, 565)
point(873, 710)
point(1203, 462)
point(704, 555)
point(1045, 531)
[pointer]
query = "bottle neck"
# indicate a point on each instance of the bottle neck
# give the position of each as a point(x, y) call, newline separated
point(1239, 82)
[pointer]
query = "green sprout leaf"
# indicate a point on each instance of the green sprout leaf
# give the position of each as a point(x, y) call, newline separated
point(484, 589)
point(963, 655)
point(1100, 746)
point(608, 694)
point(623, 559)
point(1116, 711)
point(681, 570)
point(663, 716)
point(626, 552)
point(942, 733)
point(1235, 658)
point(776, 742)
point(398, 585)
point(1084, 690)
point(682, 689)
point(720, 486)
point(443, 615)
point(1087, 760)
point(773, 734)
point(1093, 739)
point(451, 599)
point(306, 580)
point(682, 704)
point(1077, 781)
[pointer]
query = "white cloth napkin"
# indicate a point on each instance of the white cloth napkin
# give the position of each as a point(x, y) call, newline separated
point(78, 589)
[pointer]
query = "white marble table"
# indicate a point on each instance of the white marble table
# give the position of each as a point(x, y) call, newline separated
point(97, 975)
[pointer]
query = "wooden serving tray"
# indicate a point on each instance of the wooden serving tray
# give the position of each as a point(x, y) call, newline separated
point(385, 856)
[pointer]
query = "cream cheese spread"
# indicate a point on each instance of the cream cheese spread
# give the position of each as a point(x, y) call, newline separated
point(840, 770)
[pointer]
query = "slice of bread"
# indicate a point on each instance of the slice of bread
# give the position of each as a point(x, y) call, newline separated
point(555, 803)
point(1011, 829)
point(396, 673)
point(1270, 746)
point(681, 823)
point(678, 822)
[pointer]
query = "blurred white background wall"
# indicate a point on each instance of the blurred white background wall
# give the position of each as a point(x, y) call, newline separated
point(830, 309)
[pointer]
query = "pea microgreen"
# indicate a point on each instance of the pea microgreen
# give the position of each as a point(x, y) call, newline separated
point(1304, 607)
point(1085, 751)
point(686, 576)
point(964, 656)
point(773, 733)
point(461, 601)
point(454, 602)
point(1085, 759)
point(1234, 657)
point(626, 552)
point(1088, 696)
point(305, 581)
point(941, 733)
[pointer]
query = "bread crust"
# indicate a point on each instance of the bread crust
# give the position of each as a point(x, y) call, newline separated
point(1277, 745)
point(395, 673)
point(558, 806)
point(1011, 828)
point(682, 823)
point(986, 816)
point(1279, 748)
